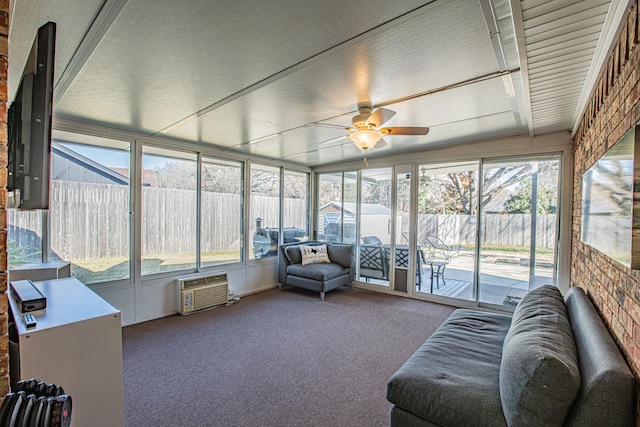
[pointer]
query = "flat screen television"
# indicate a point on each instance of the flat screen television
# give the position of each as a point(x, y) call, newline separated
point(29, 127)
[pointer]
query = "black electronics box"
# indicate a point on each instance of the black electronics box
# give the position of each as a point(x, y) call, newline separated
point(28, 297)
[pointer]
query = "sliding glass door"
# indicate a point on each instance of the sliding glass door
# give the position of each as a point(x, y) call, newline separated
point(518, 237)
point(447, 218)
point(336, 215)
point(375, 225)
point(479, 232)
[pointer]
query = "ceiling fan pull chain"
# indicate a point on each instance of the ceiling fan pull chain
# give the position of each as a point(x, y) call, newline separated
point(365, 162)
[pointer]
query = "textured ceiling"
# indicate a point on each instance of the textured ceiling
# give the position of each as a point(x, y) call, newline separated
point(256, 77)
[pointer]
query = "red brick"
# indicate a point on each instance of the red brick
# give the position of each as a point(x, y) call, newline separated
point(3, 68)
point(4, 46)
point(4, 24)
point(613, 109)
point(4, 385)
point(617, 330)
point(634, 311)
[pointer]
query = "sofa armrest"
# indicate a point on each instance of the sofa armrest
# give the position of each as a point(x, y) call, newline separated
point(283, 263)
point(343, 254)
point(607, 394)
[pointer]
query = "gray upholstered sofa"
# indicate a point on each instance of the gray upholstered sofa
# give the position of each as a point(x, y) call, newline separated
point(552, 364)
point(317, 277)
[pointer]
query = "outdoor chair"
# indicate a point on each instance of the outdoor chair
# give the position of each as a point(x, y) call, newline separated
point(437, 255)
point(402, 261)
point(371, 240)
point(374, 263)
point(438, 249)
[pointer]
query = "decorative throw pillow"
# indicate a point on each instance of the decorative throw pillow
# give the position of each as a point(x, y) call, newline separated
point(293, 254)
point(314, 254)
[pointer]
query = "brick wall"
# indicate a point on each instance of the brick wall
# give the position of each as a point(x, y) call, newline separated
point(4, 54)
point(613, 110)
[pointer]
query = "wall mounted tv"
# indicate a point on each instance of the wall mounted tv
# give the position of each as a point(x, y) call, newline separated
point(29, 126)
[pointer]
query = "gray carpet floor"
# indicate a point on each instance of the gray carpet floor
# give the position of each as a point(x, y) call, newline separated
point(277, 358)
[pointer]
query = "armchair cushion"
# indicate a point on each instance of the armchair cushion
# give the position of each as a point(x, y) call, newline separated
point(320, 272)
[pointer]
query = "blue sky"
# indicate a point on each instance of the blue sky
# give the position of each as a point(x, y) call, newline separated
point(114, 158)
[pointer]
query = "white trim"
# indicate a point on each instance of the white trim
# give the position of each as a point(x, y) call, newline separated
point(502, 147)
point(613, 25)
point(101, 24)
point(66, 125)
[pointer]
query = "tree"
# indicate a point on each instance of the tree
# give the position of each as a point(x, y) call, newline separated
point(221, 178)
point(264, 182)
point(456, 192)
point(520, 202)
point(295, 186)
point(180, 174)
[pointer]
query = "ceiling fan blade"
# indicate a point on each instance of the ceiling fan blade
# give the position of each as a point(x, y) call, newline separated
point(380, 116)
point(407, 130)
point(328, 125)
point(381, 144)
point(328, 141)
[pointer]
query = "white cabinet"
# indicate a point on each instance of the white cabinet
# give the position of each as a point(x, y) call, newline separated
point(76, 344)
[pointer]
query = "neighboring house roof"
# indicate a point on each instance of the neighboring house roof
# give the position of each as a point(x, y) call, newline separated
point(78, 165)
point(148, 176)
point(82, 169)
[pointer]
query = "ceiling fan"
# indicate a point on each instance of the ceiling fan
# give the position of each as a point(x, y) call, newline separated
point(367, 131)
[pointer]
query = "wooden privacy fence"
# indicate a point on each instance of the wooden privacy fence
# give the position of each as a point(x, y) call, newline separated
point(497, 229)
point(92, 220)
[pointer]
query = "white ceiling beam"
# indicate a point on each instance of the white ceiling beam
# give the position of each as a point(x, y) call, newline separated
point(103, 21)
point(518, 28)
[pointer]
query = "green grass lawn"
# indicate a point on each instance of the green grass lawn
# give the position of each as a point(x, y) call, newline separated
point(97, 270)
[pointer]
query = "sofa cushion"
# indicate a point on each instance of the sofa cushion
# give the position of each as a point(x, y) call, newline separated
point(343, 254)
point(539, 376)
point(293, 254)
point(320, 272)
point(452, 379)
point(314, 254)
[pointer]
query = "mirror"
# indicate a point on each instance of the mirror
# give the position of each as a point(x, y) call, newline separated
point(610, 212)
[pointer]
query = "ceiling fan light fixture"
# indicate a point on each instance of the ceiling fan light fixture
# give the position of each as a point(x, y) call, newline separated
point(365, 139)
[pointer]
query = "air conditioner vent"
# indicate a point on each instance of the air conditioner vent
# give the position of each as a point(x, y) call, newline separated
point(198, 282)
point(201, 292)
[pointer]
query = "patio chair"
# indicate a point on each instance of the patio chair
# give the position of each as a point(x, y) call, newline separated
point(371, 240)
point(402, 261)
point(373, 262)
point(438, 249)
point(437, 255)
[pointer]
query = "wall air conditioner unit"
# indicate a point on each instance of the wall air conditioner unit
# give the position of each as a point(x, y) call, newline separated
point(197, 292)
